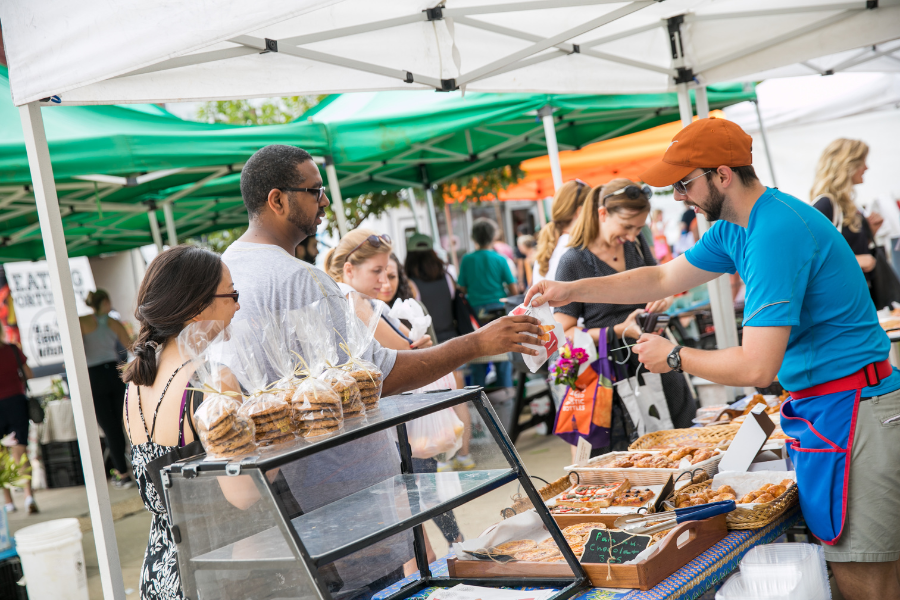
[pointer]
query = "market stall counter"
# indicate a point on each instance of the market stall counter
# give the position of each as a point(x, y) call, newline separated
point(241, 531)
point(691, 581)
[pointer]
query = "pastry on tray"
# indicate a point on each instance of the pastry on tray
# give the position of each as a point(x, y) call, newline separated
point(514, 546)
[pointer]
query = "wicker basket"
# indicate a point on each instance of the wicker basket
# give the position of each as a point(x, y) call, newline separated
point(521, 502)
point(595, 473)
point(673, 438)
point(745, 518)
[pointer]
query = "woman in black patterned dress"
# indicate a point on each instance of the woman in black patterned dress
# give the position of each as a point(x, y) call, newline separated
point(182, 285)
point(606, 240)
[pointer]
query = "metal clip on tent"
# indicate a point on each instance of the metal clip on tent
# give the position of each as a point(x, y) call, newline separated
point(647, 524)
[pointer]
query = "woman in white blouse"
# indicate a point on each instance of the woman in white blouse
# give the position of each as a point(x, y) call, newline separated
point(554, 236)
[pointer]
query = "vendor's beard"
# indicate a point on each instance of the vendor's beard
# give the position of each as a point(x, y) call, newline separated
point(716, 204)
point(295, 218)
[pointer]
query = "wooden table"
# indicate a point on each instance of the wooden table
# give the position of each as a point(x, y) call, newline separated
point(688, 583)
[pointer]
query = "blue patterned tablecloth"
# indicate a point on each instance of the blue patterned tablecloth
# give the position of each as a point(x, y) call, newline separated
point(687, 583)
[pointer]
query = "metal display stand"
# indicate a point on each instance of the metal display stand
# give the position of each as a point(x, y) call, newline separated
point(255, 545)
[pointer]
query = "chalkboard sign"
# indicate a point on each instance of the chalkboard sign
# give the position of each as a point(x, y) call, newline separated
point(622, 545)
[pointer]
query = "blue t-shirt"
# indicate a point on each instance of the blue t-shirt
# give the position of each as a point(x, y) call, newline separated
point(799, 271)
point(483, 274)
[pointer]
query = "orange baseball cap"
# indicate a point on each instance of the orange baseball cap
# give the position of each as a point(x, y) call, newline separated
point(704, 144)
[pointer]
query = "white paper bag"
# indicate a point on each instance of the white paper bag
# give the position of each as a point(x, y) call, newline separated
point(556, 335)
point(410, 310)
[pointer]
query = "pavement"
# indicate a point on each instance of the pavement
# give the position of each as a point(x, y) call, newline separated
point(543, 456)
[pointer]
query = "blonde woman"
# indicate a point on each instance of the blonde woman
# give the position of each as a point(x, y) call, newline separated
point(606, 240)
point(360, 263)
point(841, 167)
point(553, 240)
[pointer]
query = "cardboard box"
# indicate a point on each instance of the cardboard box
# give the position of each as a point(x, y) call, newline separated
point(750, 439)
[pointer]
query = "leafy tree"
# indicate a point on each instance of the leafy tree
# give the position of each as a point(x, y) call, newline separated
point(245, 112)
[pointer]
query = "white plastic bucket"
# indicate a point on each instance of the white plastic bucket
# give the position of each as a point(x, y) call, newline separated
point(53, 560)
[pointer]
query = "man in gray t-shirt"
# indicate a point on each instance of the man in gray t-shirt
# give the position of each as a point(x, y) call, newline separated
point(285, 199)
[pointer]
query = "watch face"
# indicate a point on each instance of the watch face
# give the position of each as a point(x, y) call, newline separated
point(673, 361)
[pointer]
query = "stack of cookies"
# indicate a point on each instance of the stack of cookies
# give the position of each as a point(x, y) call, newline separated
point(346, 387)
point(222, 430)
point(271, 419)
point(316, 409)
point(369, 381)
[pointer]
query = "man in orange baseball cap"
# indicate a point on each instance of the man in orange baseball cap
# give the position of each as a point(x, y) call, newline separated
point(808, 317)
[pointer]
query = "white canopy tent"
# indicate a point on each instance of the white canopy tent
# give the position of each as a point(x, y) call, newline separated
point(162, 51)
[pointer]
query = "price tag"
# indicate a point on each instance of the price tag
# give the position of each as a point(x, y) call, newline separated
point(583, 452)
point(613, 547)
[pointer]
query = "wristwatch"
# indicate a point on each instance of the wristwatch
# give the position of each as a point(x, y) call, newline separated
point(674, 359)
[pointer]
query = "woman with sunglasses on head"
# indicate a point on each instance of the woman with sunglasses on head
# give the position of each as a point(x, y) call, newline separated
point(183, 285)
point(553, 240)
point(607, 240)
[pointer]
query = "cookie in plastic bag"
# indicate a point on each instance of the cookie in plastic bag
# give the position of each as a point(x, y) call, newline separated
point(363, 315)
point(223, 432)
point(269, 411)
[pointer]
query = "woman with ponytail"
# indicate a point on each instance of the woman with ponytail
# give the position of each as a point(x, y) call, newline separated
point(553, 240)
point(183, 284)
point(606, 239)
point(103, 337)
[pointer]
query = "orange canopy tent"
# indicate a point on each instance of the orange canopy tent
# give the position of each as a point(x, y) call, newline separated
point(626, 156)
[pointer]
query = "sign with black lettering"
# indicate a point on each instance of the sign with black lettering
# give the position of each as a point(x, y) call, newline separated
point(614, 547)
point(29, 285)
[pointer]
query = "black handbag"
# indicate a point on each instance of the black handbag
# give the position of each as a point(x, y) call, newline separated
point(35, 407)
point(463, 314)
point(885, 284)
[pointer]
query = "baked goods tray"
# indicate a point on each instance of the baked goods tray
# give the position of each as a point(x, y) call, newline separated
point(687, 542)
point(594, 472)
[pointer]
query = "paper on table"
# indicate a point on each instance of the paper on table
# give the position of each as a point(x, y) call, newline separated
point(524, 526)
point(744, 483)
point(472, 592)
point(410, 310)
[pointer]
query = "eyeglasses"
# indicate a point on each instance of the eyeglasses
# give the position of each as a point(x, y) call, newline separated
point(233, 295)
point(317, 191)
point(633, 192)
point(375, 240)
point(681, 186)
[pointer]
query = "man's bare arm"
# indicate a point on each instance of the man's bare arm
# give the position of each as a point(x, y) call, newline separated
point(635, 286)
point(416, 368)
point(754, 364)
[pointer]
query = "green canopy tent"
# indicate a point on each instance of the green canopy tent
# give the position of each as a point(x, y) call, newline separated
point(110, 164)
point(392, 140)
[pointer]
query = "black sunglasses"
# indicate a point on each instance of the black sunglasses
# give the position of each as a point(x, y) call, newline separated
point(633, 192)
point(233, 295)
point(317, 191)
point(375, 240)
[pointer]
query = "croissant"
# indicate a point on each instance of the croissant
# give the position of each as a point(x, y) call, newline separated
point(764, 498)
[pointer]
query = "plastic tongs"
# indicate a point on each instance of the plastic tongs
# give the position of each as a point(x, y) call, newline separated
point(646, 524)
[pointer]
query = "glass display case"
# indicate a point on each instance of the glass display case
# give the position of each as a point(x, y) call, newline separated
point(342, 516)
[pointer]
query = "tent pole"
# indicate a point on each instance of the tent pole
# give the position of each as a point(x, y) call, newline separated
point(154, 230)
point(546, 115)
point(171, 232)
point(720, 301)
point(334, 187)
point(432, 215)
point(702, 100)
point(684, 105)
point(73, 351)
point(414, 207)
point(452, 248)
point(542, 214)
point(765, 141)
